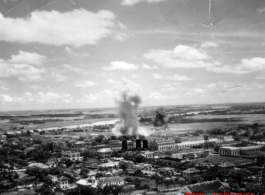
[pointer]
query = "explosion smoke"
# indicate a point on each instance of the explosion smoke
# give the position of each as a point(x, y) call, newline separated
point(128, 99)
point(161, 119)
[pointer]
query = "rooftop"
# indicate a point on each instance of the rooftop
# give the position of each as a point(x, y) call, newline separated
point(111, 179)
point(226, 164)
point(215, 186)
point(191, 170)
point(104, 150)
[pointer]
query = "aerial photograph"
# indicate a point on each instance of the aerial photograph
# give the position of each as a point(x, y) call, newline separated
point(132, 97)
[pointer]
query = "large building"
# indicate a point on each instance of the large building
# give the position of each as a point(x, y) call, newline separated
point(71, 155)
point(162, 143)
point(235, 151)
point(206, 188)
point(105, 152)
point(116, 180)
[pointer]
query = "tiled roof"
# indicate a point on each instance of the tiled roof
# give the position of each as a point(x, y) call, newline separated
point(215, 186)
point(111, 179)
point(63, 178)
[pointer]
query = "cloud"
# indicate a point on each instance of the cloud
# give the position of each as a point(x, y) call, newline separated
point(121, 36)
point(158, 76)
point(122, 26)
point(208, 44)
point(136, 76)
point(182, 56)
point(146, 66)
point(199, 91)
point(179, 78)
point(72, 52)
point(101, 95)
point(24, 72)
point(72, 68)
point(41, 97)
point(133, 2)
point(85, 84)
point(121, 65)
point(58, 77)
point(246, 66)
point(51, 97)
point(77, 27)
point(260, 77)
point(111, 81)
point(3, 88)
point(156, 95)
point(261, 10)
point(27, 58)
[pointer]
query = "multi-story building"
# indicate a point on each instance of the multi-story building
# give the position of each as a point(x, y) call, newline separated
point(235, 151)
point(226, 167)
point(71, 155)
point(191, 172)
point(161, 143)
point(105, 152)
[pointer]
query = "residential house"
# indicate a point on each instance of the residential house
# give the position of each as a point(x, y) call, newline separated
point(191, 172)
point(105, 152)
point(226, 167)
point(71, 155)
point(63, 182)
point(116, 180)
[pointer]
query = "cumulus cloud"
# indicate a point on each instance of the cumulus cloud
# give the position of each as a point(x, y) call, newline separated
point(156, 95)
point(121, 65)
point(3, 88)
point(133, 2)
point(84, 84)
point(58, 77)
point(40, 97)
point(182, 56)
point(77, 27)
point(27, 58)
point(246, 66)
point(208, 44)
point(260, 77)
point(158, 76)
point(24, 72)
point(111, 81)
point(72, 52)
point(73, 68)
point(179, 78)
point(149, 67)
point(121, 25)
point(101, 95)
point(121, 36)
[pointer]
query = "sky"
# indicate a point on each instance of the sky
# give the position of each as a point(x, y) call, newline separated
point(73, 53)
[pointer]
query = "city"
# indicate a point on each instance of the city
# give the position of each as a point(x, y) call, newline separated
point(132, 97)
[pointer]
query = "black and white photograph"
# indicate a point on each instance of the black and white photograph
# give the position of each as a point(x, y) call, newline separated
point(132, 97)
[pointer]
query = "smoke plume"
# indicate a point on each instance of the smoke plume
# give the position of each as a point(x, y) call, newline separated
point(128, 98)
point(161, 119)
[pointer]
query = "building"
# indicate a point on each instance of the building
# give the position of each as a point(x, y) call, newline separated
point(189, 144)
point(226, 167)
point(63, 182)
point(148, 154)
point(229, 151)
point(235, 151)
point(116, 180)
point(161, 143)
point(145, 168)
point(206, 188)
point(71, 155)
point(105, 152)
point(191, 172)
point(80, 144)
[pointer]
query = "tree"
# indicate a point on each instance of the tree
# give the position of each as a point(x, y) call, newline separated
point(124, 165)
point(99, 138)
point(260, 160)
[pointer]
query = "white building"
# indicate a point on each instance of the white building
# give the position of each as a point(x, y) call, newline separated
point(116, 180)
point(71, 155)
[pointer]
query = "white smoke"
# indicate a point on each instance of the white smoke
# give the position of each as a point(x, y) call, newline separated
point(128, 98)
